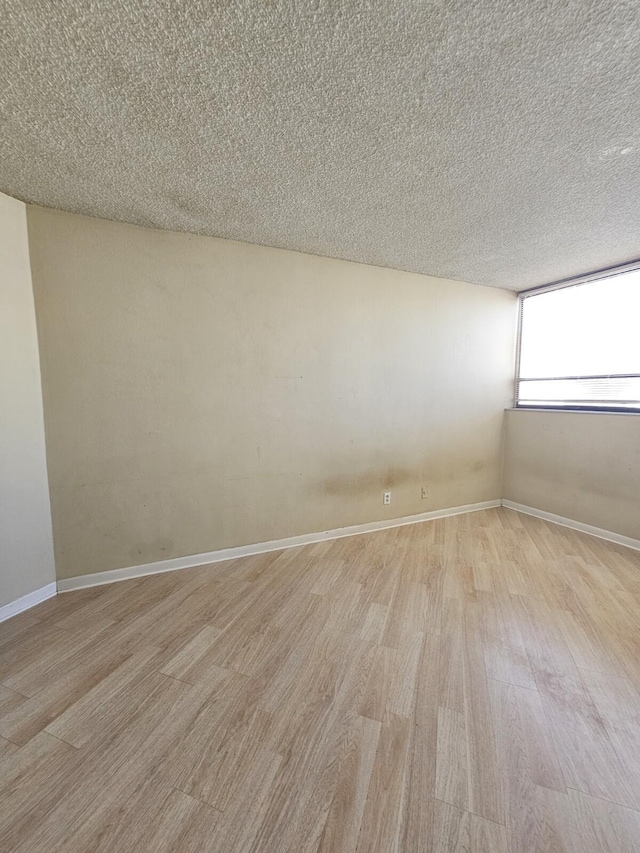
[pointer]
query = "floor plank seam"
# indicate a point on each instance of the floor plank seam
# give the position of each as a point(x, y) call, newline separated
point(61, 739)
point(197, 800)
point(605, 800)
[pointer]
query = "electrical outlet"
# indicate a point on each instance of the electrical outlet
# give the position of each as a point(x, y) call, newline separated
point(386, 498)
point(424, 494)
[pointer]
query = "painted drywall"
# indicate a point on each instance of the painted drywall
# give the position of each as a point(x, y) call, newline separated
point(201, 393)
point(26, 545)
point(578, 465)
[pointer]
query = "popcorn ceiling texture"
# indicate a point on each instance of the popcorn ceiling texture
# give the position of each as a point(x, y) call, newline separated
point(492, 141)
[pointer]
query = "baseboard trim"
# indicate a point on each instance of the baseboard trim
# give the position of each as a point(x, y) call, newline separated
point(609, 535)
point(99, 578)
point(27, 601)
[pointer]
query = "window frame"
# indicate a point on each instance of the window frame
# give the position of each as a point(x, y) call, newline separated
point(609, 272)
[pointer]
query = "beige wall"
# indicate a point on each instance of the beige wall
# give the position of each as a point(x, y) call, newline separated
point(26, 548)
point(575, 464)
point(201, 393)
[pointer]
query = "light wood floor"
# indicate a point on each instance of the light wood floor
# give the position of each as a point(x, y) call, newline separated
point(468, 684)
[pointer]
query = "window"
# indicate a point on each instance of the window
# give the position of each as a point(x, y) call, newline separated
point(579, 346)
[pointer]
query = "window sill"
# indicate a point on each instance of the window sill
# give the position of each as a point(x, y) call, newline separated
point(564, 411)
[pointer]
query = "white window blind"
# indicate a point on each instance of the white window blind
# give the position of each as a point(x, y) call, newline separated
point(579, 346)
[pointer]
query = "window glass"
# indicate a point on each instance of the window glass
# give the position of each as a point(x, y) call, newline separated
point(580, 345)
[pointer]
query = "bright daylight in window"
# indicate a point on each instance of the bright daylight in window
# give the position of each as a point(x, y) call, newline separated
point(580, 346)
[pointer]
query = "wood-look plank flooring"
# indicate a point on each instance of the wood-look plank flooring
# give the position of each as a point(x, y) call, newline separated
point(466, 684)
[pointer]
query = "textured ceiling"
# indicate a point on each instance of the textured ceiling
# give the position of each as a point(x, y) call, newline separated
point(496, 141)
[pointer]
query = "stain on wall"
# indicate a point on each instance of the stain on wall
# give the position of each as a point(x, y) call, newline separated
point(358, 483)
point(150, 552)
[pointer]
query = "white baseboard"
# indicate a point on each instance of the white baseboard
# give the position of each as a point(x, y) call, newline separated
point(99, 578)
point(27, 601)
point(609, 535)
